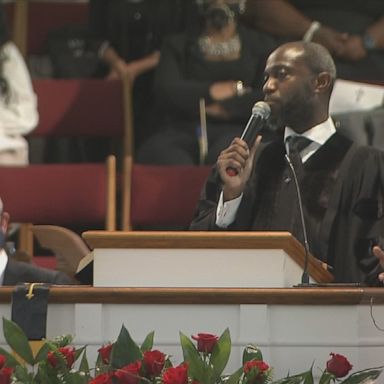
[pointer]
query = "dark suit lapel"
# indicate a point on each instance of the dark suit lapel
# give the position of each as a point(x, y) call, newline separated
point(10, 273)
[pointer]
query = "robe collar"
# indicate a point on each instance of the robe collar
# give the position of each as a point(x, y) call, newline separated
point(319, 134)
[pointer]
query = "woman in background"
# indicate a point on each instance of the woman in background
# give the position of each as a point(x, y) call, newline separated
point(221, 63)
point(18, 104)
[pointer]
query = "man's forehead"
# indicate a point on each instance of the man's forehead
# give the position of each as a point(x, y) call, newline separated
point(286, 56)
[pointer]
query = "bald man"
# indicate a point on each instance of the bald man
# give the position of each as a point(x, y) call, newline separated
point(342, 184)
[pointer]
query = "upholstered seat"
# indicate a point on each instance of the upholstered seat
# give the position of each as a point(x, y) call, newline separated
point(163, 196)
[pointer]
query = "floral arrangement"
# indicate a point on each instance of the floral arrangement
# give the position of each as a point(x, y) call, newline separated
point(125, 362)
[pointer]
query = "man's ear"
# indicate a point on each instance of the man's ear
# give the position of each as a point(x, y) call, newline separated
point(323, 82)
point(4, 222)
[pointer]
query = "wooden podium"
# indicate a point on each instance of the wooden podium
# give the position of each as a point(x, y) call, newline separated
point(200, 259)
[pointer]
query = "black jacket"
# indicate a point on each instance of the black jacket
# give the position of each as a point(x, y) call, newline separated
point(342, 188)
point(20, 272)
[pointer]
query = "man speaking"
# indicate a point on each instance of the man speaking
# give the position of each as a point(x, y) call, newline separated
point(341, 183)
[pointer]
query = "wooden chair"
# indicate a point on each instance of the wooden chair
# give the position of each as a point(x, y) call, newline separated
point(69, 195)
point(162, 196)
point(67, 246)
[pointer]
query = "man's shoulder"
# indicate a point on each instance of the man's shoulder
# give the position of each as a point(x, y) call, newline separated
point(361, 151)
point(17, 271)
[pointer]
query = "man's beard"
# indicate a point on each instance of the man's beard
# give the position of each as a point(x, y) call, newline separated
point(295, 112)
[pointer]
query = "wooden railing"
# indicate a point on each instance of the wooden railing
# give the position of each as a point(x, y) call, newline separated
point(334, 295)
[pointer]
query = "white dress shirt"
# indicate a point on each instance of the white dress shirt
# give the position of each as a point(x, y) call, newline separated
point(3, 264)
point(319, 134)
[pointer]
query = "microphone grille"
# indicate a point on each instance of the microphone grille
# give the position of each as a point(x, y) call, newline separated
point(262, 109)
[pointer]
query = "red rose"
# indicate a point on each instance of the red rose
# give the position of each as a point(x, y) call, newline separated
point(129, 374)
point(105, 352)
point(68, 354)
point(260, 365)
point(5, 375)
point(3, 359)
point(256, 371)
point(338, 365)
point(104, 378)
point(176, 375)
point(154, 362)
point(205, 342)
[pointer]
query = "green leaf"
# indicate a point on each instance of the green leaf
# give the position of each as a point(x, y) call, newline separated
point(220, 354)
point(11, 360)
point(196, 368)
point(124, 350)
point(235, 377)
point(22, 375)
point(304, 377)
point(290, 380)
point(17, 340)
point(78, 352)
point(148, 342)
point(75, 378)
point(41, 355)
point(362, 376)
point(42, 375)
point(308, 377)
point(84, 366)
point(100, 364)
point(326, 377)
point(251, 353)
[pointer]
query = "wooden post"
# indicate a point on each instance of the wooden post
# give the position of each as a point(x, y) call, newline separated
point(20, 25)
point(128, 154)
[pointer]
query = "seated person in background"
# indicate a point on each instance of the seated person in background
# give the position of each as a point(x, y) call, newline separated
point(13, 272)
point(352, 30)
point(221, 64)
point(18, 105)
point(130, 35)
point(342, 184)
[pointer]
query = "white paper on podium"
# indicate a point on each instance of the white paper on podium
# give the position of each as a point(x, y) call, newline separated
point(350, 96)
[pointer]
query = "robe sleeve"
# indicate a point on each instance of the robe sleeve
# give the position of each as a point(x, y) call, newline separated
point(359, 223)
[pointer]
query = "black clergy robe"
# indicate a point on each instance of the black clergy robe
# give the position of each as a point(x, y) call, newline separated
point(342, 187)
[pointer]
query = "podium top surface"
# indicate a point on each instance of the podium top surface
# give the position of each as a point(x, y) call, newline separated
point(191, 239)
point(208, 240)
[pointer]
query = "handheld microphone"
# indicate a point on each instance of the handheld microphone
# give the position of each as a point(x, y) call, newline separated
point(260, 114)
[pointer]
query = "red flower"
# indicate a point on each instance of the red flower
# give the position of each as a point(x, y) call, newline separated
point(105, 352)
point(256, 371)
point(3, 359)
point(154, 362)
point(260, 365)
point(338, 365)
point(104, 378)
point(130, 374)
point(68, 354)
point(5, 375)
point(176, 375)
point(205, 342)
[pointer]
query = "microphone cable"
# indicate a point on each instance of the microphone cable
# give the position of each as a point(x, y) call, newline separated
point(305, 275)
